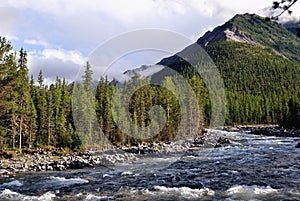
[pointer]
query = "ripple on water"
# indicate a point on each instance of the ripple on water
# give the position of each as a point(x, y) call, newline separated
point(54, 183)
point(62, 181)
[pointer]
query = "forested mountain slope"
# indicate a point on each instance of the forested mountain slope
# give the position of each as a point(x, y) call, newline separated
point(259, 61)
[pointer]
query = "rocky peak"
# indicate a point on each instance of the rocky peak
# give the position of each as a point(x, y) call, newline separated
point(228, 31)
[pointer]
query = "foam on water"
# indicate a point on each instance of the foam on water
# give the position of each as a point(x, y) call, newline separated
point(11, 183)
point(14, 196)
point(67, 182)
point(184, 192)
point(243, 192)
point(126, 173)
point(248, 160)
point(91, 197)
point(170, 193)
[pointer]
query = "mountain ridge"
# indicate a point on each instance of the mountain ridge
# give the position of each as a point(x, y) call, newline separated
point(258, 30)
point(260, 66)
point(246, 28)
point(223, 32)
point(253, 29)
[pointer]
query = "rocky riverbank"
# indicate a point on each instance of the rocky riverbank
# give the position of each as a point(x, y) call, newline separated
point(12, 163)
point(44, 160)
point(271, 130)
point(48, 160)
point(275, 131)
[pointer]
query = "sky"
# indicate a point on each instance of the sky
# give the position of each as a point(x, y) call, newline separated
point(59, 35)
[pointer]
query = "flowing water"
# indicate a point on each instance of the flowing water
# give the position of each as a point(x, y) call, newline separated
point(250, 168)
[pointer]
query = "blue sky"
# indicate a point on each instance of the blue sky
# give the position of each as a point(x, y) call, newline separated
point(59, 35)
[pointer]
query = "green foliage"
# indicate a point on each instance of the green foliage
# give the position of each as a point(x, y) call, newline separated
point(269, 34)
point(292, 119)
point(32, 116)
point(258, 81)
point(261, 76)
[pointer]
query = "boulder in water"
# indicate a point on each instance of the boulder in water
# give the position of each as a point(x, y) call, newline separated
point(223, 140)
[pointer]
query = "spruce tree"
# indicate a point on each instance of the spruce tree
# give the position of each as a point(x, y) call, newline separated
point(23, 101)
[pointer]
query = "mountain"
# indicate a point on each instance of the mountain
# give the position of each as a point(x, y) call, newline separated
point(143, 71)
point(252, 29)
point(260, 65)
point(293, 26)
point(246, 28)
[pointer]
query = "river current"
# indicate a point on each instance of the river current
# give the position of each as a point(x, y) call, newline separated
point(252, 167)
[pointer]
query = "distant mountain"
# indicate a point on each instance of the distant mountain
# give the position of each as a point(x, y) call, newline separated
point(259, 61)
point(246, 28)
point(251, 29)
point(143, 71)
point(293, 27)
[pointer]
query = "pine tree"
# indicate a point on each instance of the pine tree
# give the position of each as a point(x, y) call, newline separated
point(24, 98)
point(84, 114)
point(41, 79)
point(41, 107)
point(34, 90)
point(50, 115)
point(7, 72)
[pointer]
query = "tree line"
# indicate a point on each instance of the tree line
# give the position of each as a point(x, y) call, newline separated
point(77, 114)
point(32, 115)
point(262, 86)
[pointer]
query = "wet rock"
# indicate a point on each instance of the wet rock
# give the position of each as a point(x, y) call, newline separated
point(274, 131)
point(7, 154)
point(49, 168)
point(198, 141)
point(218, 145)
point(298, 145)
point(194, 185)
point(223, 140)
point(60, 167)
point(79, 164)
point(5, 172)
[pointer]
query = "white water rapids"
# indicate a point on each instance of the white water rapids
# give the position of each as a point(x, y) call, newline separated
point(250, 168)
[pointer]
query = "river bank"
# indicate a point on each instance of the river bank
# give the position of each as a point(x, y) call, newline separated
point(40, 160)
point(44, 160)
point(266, 130)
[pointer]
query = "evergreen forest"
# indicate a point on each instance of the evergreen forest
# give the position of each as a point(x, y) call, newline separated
point(262, 87)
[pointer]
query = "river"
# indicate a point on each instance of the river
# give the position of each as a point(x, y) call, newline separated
point(252, 167)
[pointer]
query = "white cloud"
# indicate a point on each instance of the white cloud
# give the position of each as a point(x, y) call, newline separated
point(36, 42)
point(86, 24)
point(55, 62)
point(10, 37)
point(69, 30)
point(63, 55)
